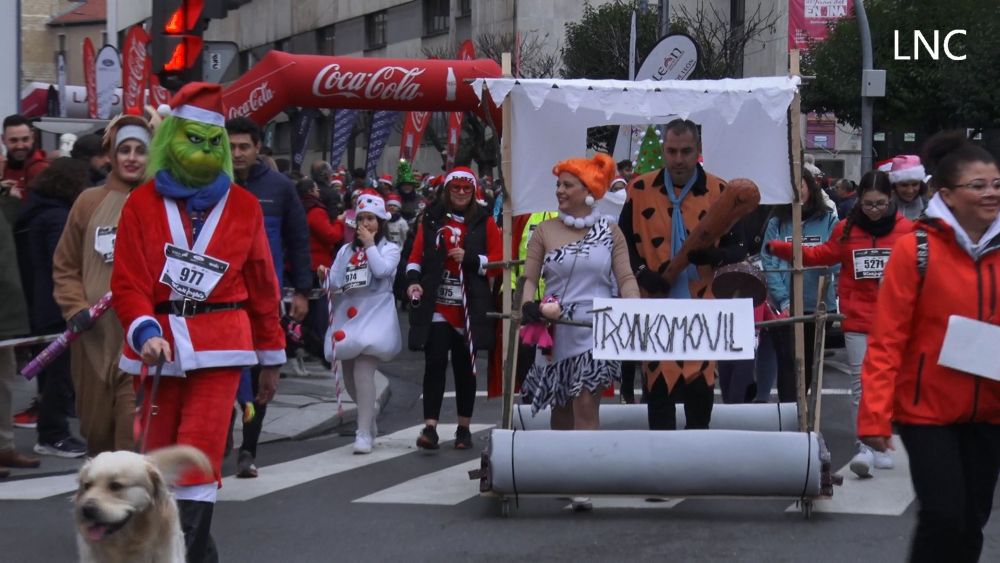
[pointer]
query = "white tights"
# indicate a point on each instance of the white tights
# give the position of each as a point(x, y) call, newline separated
point(359, 379)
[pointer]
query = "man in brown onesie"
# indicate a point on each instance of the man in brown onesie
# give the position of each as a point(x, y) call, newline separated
point(105, 399)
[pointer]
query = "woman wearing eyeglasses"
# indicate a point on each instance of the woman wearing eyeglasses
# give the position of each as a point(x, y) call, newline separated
point(933, 334)
point(861, 244)
point(449, 293)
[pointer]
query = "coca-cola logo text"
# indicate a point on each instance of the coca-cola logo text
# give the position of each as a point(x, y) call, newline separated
point(135, 58)
point(419, 119)
point(387, 83)
point(259, 96)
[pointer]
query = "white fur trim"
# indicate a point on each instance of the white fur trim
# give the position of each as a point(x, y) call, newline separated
point(164, 110)
point(201, 493)
point(135, 324)
point(461, 174)
point(913, 173)
point(195, 113)
point(413, 267)
point(482, 265)
point(271, 358)
point(202, 359)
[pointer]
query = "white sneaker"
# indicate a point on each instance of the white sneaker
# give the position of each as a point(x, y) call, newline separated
point(862, 462)
point(883, 460)
point(362, 443)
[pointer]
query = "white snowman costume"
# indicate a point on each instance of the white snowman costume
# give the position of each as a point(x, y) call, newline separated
point(362, 305)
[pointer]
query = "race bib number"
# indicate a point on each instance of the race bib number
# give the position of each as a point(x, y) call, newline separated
point(104, 243)
point(190, 274)
point(450, 292)
point(808, 240)
point(869, 263)
point(356, 276)
point(756, 262)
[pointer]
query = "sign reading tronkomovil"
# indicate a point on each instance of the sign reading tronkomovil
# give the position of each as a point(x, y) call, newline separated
point(673, 329)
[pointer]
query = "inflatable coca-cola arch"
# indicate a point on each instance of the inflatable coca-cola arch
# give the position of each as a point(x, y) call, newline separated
point(282, 80)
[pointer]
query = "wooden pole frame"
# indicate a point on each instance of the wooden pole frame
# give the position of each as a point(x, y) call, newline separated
point(508, 338)
point(795, 148)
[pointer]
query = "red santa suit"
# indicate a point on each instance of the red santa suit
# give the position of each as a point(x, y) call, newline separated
point(235, 325)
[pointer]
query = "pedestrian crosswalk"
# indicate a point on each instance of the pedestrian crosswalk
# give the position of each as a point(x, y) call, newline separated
point(888, 494)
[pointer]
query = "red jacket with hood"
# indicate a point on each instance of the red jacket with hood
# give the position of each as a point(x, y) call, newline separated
point(857, 296)
point(901, 379)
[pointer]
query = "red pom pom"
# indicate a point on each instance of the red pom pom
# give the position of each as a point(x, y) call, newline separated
point(339, 335)
point(352, 312)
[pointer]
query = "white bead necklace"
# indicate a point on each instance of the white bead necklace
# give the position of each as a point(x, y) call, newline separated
point(581, 222)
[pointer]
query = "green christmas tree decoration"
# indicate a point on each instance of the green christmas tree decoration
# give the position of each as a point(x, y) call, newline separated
point(650, 155)
point(404, 174)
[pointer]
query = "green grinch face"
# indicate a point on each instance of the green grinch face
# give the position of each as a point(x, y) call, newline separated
point(199, 150)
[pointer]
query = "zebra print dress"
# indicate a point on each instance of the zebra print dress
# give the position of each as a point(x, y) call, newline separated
point(576, 273)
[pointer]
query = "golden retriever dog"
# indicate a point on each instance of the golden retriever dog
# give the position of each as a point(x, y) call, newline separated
point(124, 510)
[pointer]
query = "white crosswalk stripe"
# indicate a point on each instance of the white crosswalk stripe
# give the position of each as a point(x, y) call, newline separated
point(282, 476)
point(447, 487)
point(36, 489)
point(888, 493)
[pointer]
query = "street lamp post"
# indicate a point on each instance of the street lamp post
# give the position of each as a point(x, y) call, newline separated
point(872, 86)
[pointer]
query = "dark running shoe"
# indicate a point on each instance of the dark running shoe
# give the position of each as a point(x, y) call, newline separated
point(463, 438)
point(428, 439)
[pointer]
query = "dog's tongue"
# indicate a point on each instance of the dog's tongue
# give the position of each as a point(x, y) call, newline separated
point(95, 532)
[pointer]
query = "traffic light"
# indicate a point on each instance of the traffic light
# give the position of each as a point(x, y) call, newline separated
point(177, 27)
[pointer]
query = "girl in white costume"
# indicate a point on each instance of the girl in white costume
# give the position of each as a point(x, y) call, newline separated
point(364, 329)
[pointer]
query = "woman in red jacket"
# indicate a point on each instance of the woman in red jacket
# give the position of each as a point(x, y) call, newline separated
point(932, 353)
point(861, 244)
point(325, 237)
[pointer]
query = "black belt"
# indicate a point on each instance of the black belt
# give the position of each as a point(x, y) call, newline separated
point(190, 307)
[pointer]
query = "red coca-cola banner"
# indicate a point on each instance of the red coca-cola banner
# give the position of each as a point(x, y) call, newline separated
point(466, 52)
point(135, 70)
point(282, 80)
point(90, 76)
point(413, 132)
point(158, 95)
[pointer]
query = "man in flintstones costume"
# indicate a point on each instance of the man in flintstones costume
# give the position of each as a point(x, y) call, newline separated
point(678, 222)
point(195, 290)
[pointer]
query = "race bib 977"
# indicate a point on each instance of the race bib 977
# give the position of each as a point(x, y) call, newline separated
point(190, 274)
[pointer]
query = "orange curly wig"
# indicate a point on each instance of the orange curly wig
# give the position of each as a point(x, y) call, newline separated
point(596, 173)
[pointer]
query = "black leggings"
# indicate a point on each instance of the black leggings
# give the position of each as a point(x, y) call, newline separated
point(251, 430)
point(954, 472)
point(441, 340)
point(697, 395)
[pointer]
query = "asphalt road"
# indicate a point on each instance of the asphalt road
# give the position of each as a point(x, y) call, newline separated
point(313, 511)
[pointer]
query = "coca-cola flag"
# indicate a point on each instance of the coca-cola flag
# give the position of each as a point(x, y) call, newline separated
point(340, 133)
point(90, 77)
point(301, 128)
point(61, 81)
point(466, 52)
point(135, 70)
point(382, 124)
point(414, 125)
point(281, 80)
point(109, 77)
point(158, 95)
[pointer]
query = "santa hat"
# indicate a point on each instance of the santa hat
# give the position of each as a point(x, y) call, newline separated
point(198, 101)
point(595, 173)
point(619, 180)
point(465, 175)
point(337, 180)
point(906, 168)
point(393, 199)
point(385, 179)
point(370, 203)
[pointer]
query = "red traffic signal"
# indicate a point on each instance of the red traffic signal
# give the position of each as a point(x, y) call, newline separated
point(184, 17)
point(176, 46)
point(182, 53)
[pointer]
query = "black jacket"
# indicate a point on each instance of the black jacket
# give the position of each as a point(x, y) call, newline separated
point(478, 294)
point(37, 233)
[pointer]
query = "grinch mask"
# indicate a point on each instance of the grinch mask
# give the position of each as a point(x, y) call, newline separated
point(193, 152)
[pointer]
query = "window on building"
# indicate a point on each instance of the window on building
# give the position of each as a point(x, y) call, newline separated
point(324, 40)
point(375, 24)
point(436, 16)
point(464, 8)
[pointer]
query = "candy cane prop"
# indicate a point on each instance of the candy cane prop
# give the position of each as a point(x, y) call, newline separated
point(54, 350)
point(338, 386)
point(454, 236)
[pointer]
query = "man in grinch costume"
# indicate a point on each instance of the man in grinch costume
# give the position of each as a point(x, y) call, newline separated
point(196, 293)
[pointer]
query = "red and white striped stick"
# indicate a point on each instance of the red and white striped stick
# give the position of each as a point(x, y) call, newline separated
point(338, 386)
point(468, 322)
